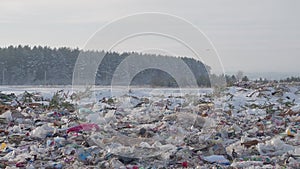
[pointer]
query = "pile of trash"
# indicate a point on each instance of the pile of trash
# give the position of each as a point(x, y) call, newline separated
point(250, 126)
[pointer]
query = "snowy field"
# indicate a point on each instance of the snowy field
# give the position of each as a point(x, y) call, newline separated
point(107, 91)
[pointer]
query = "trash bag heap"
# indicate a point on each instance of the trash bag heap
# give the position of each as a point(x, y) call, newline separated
point(254, 125)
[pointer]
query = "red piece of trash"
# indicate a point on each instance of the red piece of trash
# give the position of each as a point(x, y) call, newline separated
point(135, 167)
point(83, 127)
point(185, 164)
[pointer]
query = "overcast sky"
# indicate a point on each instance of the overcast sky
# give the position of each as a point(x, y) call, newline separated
point(250, 35)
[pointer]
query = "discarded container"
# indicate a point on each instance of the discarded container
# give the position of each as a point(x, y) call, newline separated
point(3, 146)
point(42, 131)
point(7, 116)
point(217, 159)
point(274, 147)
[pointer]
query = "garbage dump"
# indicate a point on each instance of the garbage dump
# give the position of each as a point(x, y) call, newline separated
point(254, 126)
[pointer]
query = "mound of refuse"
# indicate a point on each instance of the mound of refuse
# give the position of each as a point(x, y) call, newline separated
point(251, 126)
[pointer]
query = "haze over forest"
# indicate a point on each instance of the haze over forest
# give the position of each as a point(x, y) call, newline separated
point(24, 65)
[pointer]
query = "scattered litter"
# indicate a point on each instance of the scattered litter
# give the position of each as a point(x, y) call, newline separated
point(256, 126)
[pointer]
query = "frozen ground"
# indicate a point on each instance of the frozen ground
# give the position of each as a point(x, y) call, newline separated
point(107, 91)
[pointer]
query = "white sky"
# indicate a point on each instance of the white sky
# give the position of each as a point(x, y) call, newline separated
point(250, 35)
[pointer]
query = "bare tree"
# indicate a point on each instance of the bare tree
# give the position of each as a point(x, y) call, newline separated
point(239, 75)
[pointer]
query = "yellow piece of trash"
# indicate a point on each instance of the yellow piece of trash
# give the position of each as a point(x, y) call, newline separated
point(3, 146)
point(289, 132)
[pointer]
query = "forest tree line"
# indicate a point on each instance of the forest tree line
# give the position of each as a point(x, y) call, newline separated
point(25, 65)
